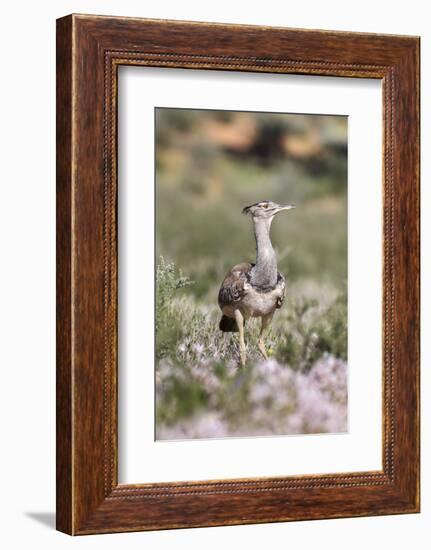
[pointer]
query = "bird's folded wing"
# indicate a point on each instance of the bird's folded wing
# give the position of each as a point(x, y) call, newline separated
point(234, 285)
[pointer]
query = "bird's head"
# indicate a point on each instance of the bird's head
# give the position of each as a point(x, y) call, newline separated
point(266, 209)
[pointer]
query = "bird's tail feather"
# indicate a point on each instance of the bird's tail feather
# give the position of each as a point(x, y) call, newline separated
point(227, 324)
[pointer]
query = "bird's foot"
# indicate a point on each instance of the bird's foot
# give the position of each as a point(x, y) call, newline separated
point(242, 358)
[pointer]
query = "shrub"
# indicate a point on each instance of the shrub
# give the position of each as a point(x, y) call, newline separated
point(311, 332)
point(200, 390)
point(168, 326)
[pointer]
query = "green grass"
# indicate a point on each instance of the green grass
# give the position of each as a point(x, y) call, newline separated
point(197, 365)
point(201, 188)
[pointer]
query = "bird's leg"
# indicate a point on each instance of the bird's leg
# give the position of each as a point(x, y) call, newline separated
point(266, 320)
point(240, 323)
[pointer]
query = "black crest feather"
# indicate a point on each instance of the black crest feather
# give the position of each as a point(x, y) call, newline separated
point(246, 209)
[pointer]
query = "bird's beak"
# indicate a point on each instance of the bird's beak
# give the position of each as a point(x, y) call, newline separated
point(285, 207)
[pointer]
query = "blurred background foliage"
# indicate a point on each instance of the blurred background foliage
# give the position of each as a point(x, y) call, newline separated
point(209, 165)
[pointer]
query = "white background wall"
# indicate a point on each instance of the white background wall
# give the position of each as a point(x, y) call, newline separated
point(27, 237)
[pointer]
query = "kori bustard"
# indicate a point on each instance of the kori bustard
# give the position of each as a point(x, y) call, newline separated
point(254, 290)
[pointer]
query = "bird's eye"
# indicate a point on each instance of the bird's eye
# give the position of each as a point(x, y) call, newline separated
point(265, 205)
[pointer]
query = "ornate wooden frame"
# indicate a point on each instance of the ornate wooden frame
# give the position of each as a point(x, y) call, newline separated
point(89, 51)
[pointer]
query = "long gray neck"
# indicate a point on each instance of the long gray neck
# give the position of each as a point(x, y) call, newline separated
point(264, 273)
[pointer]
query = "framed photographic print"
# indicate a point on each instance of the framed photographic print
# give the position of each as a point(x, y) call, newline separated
point(237, 274)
